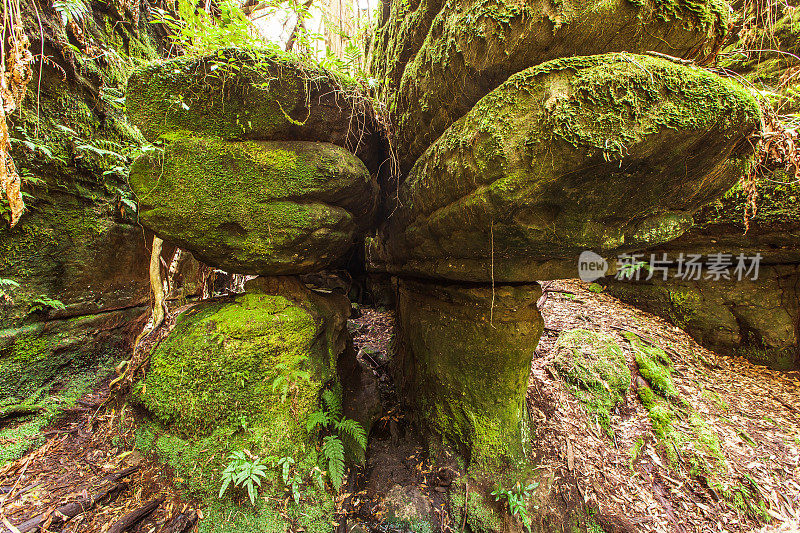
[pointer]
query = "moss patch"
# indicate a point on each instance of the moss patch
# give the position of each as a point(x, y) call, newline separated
point(256, 207)
point(593, 364)
point(211, 388)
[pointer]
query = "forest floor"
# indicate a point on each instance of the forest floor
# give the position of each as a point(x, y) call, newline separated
point(736, 439)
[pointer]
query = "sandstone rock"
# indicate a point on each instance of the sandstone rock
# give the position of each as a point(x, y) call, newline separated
point(238, 94)
point(256, 207)
point(757, 319)
point(470, 48)
point(610, 153)
point(464, 359)
point(241, 347)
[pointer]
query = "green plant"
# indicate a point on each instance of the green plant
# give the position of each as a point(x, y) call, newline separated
point(342, 430)
point(291, 481)
point(516, 499)
point(243, 470)
point(43, 303)
point(195, 30)
point(595, 287)
point(5, 285)
point(290, 377)
point(71, 10)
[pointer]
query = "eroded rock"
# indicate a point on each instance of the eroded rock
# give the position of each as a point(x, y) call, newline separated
point(255, 207)
point(239, 94)
point(470, 48)
point(464, 359)
point(609, 153)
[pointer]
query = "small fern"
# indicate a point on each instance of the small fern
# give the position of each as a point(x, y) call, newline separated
point(342, 430)
point(333, 450)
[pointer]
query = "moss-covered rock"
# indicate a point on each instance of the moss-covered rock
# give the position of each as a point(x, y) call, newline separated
point(77, 255)
point(610, 152)
point(278, 328)
point(256, 207)
point(472, 47)
point(246, 374)
point(758, 319)
point(594, 366)
point(239, 94)
point(464, 358)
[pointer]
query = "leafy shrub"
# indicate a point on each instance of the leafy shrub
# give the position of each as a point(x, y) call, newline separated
point(516, 499)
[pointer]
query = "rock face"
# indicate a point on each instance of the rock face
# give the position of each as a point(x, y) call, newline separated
point(756, 318)
point(251, 95)
point(256, 207)
point(278, 328)
point(610, 153)
point(248, 374)
point(464, 356)
point(437, 59)
point(77, 254)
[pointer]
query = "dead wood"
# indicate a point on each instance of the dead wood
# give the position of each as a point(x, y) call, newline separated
point(135, 516)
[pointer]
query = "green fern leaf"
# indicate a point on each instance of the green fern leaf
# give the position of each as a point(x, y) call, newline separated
point(333, 400)
point(333, 450)
point(350, 427)
point(317, 419)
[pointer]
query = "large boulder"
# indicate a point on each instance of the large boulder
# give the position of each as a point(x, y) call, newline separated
point(277, 328)
point(610, 152)
point(239, 94)
point(464, 357)
point(245, 376)
point(448, 55)
point(256, 207)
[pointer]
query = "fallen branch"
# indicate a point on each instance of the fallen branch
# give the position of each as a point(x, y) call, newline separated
point(182, 522)
point(19, 410)
point(135, 516)
point(68, 510)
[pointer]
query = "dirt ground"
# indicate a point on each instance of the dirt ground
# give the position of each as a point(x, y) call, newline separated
point(628, 477)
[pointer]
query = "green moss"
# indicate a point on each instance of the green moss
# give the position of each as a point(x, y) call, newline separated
point(660, 413)
point(239, 348)
point(466, 362)
point(24, 433)
point(237, 94)
point(263, 207)
point(654, 365)
point(210, 389)
point(594, 366)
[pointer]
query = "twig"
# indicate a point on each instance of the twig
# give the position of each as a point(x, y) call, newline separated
point(135, 516)
point(670, 58)
point(68, 510)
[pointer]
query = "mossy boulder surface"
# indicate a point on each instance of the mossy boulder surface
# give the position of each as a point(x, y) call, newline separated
point(238, 94)
point(222, 358)
point(245, 375)
point(757, 319)
point(610, 152)
point(255, 207)
point(464, 359)
point(472, 47)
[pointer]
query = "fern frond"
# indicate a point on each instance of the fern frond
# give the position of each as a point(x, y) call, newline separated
point(333, 450)
point(350, 427)
point(317, 419)
point(333, 401)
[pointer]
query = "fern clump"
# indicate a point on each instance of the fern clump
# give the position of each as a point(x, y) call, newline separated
point(347, 437)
